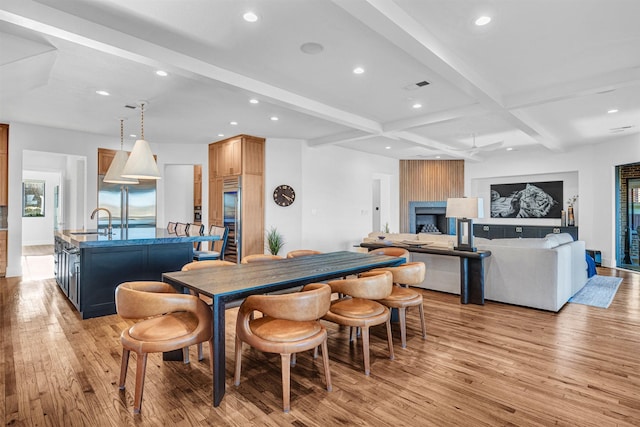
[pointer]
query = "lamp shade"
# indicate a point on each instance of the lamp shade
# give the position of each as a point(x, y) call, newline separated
point(141, 164)
point(114, 174)
point(465, 207)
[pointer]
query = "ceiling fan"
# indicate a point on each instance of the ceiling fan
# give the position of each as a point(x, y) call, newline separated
point(474, 149)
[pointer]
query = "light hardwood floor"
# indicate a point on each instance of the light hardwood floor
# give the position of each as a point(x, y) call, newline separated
point(480, 365)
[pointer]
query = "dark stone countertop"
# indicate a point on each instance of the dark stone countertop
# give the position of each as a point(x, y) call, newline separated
point(132, 236)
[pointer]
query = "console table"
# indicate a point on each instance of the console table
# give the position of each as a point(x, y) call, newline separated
point(471, 268)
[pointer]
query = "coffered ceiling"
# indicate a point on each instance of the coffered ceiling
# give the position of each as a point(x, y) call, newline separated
point(542, 75)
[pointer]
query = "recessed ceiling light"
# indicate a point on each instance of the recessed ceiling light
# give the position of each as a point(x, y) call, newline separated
point(358, 70)
point(233, 123)
point(311, 48)
point(274, 119)
point(613, 110)
point(103, 92)
point(417, 105)
point(221, 134)
point(509, 148)
point(250, 17)
point(387, 148)
point(133, 135)
point(437, 157)
point(162, 73)
point(253, 101)
point(483, 20)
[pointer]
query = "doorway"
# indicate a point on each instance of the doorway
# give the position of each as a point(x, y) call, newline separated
point(628, 219)
point(381, 202)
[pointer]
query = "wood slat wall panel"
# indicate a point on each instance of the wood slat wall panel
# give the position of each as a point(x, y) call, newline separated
point(428, 180)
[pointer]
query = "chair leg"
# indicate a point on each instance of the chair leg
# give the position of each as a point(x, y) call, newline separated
point(140, 370)
point(351, 333)
point(211, 354)
point(286, 379)
point(200, 354)
point(325, 362)
point(402, 314)
point(315, 352)
point(424, 327)
point(365, 349)
point(185, 355)
point(236, 377)
point(123, 368)
point(293, 359)
point(390, 339)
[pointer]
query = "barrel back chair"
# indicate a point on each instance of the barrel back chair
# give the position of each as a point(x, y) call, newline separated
point(290, 324)
point(200, 265)
point(172, 321)
point(401, 297)
point(247, 259)
point(359, 308)
point(302, 252)
point(392, 251)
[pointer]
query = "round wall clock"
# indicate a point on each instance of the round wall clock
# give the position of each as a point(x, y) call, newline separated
point(284, 195)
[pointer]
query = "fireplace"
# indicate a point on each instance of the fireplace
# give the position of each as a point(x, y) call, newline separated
point(429, 217)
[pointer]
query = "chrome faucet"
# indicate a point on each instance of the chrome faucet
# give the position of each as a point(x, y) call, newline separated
point(109, 228)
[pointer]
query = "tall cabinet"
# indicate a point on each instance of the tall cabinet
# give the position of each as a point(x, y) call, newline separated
point(242, 157)
point(4, 196)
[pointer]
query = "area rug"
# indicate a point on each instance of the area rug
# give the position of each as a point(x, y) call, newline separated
point(598, 291)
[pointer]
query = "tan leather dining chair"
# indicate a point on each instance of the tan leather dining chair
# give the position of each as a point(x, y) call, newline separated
point(172, 321)
point(358, 307)
point(259, 258)
point(302, 252)
point(409, 274)
point(198, 265)
point(392, 251)
point(289, 325)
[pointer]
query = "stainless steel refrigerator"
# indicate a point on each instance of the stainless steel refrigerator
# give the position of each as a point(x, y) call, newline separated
point(142, 203)
point(231, 199)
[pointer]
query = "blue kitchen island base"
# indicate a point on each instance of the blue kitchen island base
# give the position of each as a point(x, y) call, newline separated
point(89, 268)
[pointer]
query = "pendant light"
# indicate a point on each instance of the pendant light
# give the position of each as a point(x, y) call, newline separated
point(114, 174)
point(141, 164)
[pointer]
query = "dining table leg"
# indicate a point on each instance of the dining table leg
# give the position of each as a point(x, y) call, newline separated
point(218, 355)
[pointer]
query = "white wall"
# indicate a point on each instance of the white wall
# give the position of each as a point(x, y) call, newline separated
point(39, 230)
point(178, 187)
point(595, 167)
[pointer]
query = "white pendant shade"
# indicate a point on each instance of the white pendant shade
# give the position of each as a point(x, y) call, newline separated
point(141, 164)
point(114, 174)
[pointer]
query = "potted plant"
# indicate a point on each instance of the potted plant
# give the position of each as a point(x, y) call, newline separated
point(275, 241)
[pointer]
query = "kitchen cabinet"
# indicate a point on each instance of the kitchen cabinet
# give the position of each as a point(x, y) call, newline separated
point(241, 156)
point(4, 165)
point(3, 253)
point(105, 157)
point(197, 185)
point(88, 269)
point(499, 231)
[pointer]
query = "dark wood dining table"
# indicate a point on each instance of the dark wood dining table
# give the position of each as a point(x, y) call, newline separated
point(239, 281)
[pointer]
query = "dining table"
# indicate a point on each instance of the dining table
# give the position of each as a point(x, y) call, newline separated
point(231, 283)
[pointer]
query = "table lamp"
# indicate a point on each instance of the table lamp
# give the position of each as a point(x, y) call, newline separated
point(464, 210)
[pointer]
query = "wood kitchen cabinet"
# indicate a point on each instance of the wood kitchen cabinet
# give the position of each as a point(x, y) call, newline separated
point(197, 185)
point(240, 157)
point(4, 165)
point(3, 253)
point(105, 157)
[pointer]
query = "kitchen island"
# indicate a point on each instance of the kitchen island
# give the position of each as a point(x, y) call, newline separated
point(90, 265)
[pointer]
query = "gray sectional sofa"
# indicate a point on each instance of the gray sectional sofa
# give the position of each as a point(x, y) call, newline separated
point(541, 273)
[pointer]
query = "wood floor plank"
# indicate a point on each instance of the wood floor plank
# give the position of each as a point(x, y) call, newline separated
point(495, 364)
